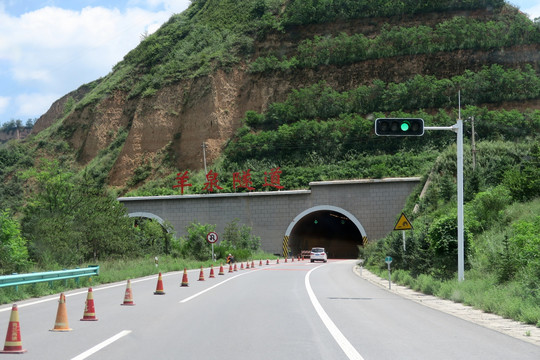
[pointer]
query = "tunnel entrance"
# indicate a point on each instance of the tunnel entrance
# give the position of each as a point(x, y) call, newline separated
point(338, 231)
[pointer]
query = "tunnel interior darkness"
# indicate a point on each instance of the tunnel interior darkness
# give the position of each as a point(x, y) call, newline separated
point(329, 229)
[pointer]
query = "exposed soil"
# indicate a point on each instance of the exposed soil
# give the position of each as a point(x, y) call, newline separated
point(180, 117)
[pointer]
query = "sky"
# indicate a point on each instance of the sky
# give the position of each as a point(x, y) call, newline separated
point(51, 47)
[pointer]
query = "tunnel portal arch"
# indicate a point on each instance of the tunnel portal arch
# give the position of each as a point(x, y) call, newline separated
point(331, 227)
point(147, 215)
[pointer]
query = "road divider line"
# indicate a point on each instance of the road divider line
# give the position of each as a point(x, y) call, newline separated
point(342, 341)
point(101, 345)
point(215, 286)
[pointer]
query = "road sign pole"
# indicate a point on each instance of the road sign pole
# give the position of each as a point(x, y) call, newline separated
point(388, 261)
point(458, 129)
point(389, 277)
point(212, 237)
point(461, 251)
point(404, 245)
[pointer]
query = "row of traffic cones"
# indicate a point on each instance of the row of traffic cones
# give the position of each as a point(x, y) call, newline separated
point(13, 343)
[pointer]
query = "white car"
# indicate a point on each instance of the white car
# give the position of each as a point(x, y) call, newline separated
point(318, 254)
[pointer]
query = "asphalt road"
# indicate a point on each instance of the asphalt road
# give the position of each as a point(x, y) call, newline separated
point(288, 311)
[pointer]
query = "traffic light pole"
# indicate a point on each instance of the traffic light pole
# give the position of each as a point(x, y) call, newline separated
point(458, 129)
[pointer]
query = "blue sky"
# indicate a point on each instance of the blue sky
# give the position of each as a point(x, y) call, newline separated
point(51, 47)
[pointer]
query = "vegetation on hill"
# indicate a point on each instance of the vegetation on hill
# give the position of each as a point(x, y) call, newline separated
point(58, 213)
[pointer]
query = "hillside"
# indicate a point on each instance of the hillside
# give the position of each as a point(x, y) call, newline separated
point(195, 78)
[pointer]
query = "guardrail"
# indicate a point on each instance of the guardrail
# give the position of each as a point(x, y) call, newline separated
point(32, 278)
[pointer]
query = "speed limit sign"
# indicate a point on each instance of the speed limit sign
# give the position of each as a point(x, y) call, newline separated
point(212, 237)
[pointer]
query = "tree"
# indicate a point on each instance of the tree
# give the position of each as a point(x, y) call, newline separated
point(442, 235)
point(240, 237)
point(13, 251)
point(70, 218)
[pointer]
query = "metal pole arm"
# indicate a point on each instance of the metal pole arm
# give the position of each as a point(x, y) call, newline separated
point(452, 128)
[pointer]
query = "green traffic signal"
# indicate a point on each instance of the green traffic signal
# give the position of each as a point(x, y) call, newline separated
point(399, 127)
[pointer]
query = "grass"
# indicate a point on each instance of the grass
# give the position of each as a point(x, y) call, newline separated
point(478, 290)
point(110, 271)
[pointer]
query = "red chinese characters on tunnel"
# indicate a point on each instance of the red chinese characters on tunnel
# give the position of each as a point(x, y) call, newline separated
point(240, 180)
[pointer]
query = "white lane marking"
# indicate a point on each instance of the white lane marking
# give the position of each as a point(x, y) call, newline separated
point(215, 286)
point(342, 341)
point(101, 345)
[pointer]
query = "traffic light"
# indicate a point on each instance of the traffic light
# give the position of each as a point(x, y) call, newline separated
point(399, 127)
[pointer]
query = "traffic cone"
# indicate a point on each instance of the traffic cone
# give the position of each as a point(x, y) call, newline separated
point(230, 268)
point(241, 266)
point(128, 297)
point(247, 264)
point(61, 323)
point(260, 262)
point(292, 258)
point(252, 264)
point(201, 275)
point(185, 279)
point(159, 286)
point(267, 262)
point(221, 272)
point(13, 344)
point(235, 267)
point(89, 309)
point(285, 259)
point(212, 272)
point(277, 261)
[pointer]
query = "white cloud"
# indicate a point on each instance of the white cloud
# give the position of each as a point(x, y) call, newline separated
point(27, 105)
point(533, 12)
point(50, 51)
point(4, 102)
point(56, 50)
point(44, 43)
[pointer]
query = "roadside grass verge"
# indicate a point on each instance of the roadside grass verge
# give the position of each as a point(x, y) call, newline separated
point(480, 291)
point(111, 271)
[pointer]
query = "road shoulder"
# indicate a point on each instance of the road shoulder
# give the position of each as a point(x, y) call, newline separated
point(528, 333)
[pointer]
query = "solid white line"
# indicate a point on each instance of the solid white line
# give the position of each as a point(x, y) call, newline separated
point(342, 341)
point(101, 345)
point(215, 286)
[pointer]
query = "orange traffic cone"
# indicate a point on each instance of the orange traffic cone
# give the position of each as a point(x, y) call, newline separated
point(247, 264)
point(13, 344)
point(159, 286)
point(252, 264)
point(201, 275)
point(241, 266)
point(128, 297)
point(211, 272)
point(185, 279)
point(89, 309)
point(221, 272)
point(260, 262)
point(61, 323)
point(235, 267)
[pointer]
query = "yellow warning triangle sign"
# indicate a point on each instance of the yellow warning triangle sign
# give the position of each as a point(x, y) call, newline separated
point(403, 223)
